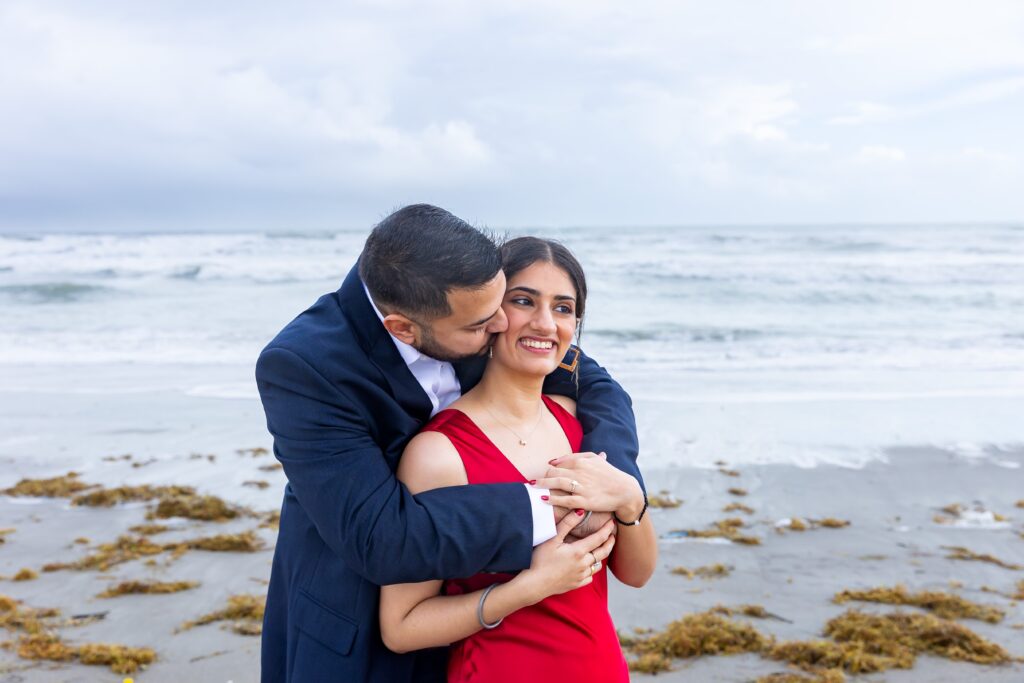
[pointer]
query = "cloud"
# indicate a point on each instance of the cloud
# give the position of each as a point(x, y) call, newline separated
point(870, 154)
point(148, 115)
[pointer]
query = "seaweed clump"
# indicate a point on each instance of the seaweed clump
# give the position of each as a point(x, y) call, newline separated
point(711, 571)
point(25, 574)
point(124, 549)
point(699, 634)
point(903, 636)
point(650, 663)
point(663, 499)
point(122, 494)
point(961, 553)
point(147, 588)
point(831, 523)
point(738, 507)
point(63, 486)
point(191, 506)
point(736, 491)
point(245, 542)
point(945, 605)
point(120, 659)
point(149, 529)
point(821, 676)
point(728, 528)
point(244, 611)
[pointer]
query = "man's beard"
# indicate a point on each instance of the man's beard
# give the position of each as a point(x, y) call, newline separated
point(429, 346)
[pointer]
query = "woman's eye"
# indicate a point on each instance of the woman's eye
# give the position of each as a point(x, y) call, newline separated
point(564, 308)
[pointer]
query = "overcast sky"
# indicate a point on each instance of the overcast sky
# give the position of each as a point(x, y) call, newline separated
point(159, 115)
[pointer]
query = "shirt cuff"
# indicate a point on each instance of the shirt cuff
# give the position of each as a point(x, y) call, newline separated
point(543, 515)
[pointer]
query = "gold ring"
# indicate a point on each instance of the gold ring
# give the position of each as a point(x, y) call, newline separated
point(594, 568)
point(572, 486)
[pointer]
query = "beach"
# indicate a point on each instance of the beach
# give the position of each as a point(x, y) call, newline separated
point(865, 376)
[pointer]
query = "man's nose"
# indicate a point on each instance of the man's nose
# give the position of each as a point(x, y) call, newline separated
point(499, 323)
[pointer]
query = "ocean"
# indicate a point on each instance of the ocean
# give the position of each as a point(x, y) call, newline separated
point(770, 344)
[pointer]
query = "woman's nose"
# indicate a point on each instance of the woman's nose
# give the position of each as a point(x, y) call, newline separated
point(543, 321)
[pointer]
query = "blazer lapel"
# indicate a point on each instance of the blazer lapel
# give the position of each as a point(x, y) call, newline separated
point(380, 347)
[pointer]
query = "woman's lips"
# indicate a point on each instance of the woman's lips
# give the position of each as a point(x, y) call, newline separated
point(541, 347)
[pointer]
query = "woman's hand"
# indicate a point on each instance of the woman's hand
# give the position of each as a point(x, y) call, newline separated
point(558, 567)
point(599, 486)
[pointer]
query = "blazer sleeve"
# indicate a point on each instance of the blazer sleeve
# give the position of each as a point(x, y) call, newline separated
point(604, 409)
point(363, 513)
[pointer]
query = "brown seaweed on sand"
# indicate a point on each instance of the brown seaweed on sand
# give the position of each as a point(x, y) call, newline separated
point(147, 588)
point(663, 499)
point(244, 611)
point(711, 571)
point(203, 508)
point(736, 491)
point(901, 635)
point(945, 605)
point(724, 528)
point(738, 507)
point(699, 634)
point(253, 452)
point(271, 467)
point(257, 484)
point(831, 523)
point(822, 676)
point(650, 663)
point(961, 553)
point(729, 473)
point(25, 574)
point(124, 549)
point(63, 486)
point(244, 542)
point(148, 529)
point(109, 497)
point(120, 659)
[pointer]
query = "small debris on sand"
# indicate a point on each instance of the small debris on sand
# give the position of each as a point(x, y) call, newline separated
point(253, 452)
point(271, 467)
point(203, 508)
point(738, 507)
point(25, 574)
point(663, 499)
point(257, 483)
point(738, 491)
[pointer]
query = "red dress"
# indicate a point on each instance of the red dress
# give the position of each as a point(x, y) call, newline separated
point(567, 637)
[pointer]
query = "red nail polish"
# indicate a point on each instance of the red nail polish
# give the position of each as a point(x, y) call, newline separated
point(543, 497)
point(579, 512)
point(533, 481)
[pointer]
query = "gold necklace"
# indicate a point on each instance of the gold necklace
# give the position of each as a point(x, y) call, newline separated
point(522, 441)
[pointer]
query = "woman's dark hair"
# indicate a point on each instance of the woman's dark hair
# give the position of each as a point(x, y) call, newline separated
point(522, 252)
point(415, 256)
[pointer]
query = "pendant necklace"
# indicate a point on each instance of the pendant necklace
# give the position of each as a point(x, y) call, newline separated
point(522, 440)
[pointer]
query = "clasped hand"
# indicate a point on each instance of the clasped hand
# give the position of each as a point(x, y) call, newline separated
point(599, 486)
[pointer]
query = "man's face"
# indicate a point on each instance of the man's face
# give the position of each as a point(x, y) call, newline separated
point(468, 330)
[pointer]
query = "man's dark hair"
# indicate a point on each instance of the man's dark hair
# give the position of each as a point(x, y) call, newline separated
point(415, 256)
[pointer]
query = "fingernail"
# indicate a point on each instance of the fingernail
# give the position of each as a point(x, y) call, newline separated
point(543, 497)
point(552, 462)
point(579, 512)
point(533, 481)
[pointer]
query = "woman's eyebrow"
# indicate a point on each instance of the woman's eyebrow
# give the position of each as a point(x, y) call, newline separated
point(533, 292)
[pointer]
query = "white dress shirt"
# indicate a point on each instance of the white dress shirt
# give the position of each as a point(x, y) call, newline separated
point(442, 387)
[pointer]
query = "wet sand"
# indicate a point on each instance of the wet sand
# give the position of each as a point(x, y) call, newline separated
point(893, 538)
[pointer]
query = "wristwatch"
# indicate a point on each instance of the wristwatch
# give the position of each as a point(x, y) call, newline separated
point(635, 522)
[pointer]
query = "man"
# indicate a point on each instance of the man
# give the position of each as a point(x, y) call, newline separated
point(345, 386)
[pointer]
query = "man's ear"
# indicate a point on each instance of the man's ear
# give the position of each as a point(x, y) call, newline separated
point(402, 328)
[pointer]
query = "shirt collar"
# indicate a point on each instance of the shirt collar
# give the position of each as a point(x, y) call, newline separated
point(409, 353)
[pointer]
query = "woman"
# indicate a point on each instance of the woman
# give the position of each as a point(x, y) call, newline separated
point(551, 621)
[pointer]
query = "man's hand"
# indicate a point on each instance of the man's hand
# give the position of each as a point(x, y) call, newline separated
point(584, 529)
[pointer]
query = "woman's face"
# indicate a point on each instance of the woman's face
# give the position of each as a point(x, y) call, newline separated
point(540, 304)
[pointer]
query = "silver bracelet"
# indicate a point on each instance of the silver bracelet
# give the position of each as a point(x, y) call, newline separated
point(480, 609)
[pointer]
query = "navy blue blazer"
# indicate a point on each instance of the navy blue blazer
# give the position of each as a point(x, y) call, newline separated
point(341, 405)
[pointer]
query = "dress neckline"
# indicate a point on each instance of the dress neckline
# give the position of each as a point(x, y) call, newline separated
point(560, 414)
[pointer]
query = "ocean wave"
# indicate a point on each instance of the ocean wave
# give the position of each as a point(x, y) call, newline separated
point(51, 292)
